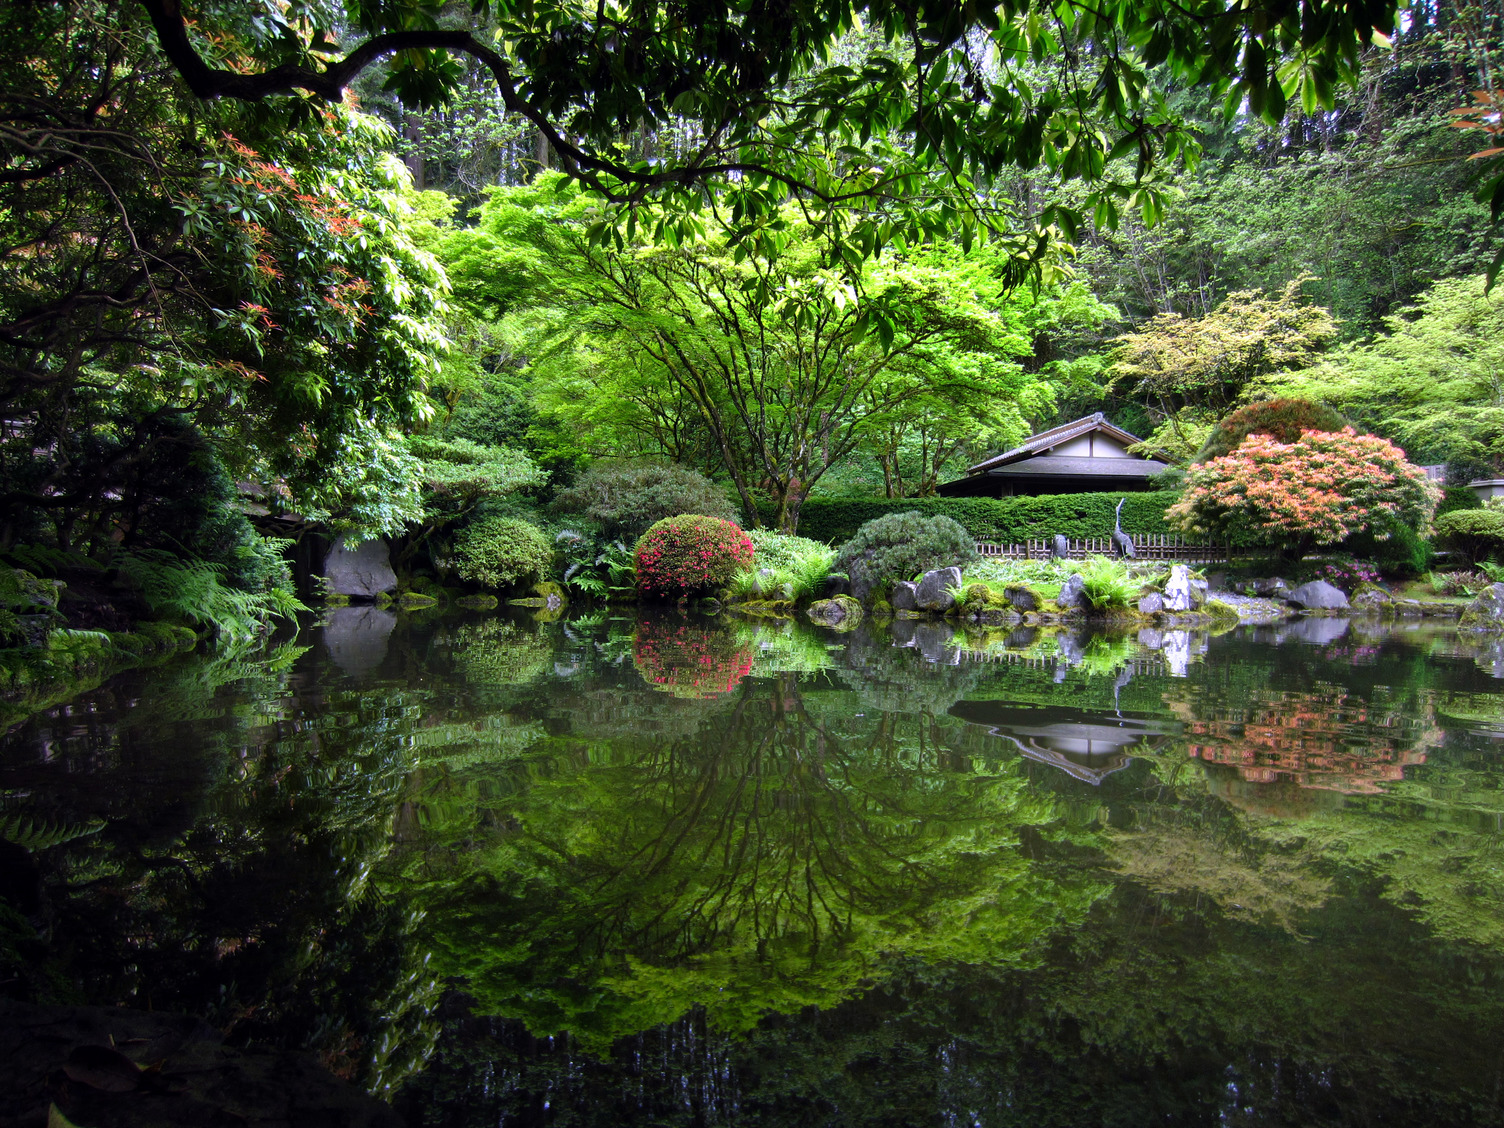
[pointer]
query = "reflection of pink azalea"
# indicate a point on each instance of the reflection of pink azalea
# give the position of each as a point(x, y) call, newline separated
point(689, 661)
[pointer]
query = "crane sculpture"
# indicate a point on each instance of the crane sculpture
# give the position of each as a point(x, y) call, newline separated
point(1120, 538)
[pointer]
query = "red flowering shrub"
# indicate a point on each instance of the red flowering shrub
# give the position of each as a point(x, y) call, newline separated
point(689, 661)
point(685, 554)
point(1320, 489)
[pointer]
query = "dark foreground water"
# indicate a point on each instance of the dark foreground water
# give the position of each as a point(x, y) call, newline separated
point(665, 870)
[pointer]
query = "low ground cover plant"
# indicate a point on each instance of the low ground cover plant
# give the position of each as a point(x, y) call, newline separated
point(690, 554)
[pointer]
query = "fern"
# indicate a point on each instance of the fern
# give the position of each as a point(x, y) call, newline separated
point(192, 590)
point(41, 833)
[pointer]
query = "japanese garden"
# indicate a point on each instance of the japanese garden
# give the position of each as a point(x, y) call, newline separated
point(751, 563)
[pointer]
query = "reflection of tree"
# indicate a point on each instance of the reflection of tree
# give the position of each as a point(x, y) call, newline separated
point(1324, 738)
point(894, 679)
point(687, 659)
point(230, 879)
point(1157, 1009)
point(499, 651)
point(763, 864)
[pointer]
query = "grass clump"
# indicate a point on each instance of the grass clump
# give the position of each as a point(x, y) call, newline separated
point(783, 567)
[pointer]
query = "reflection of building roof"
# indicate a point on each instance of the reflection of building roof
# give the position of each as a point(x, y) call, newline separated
point(1086, 746)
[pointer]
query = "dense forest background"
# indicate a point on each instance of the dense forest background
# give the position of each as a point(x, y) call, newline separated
point(417, 302)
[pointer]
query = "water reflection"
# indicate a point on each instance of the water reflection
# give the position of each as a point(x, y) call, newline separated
point(684, 870)
point(1084, 745)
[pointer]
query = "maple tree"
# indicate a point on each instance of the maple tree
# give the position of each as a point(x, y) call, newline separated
point(1318, 490)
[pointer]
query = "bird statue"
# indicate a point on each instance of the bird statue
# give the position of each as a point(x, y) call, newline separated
point(1120, 538)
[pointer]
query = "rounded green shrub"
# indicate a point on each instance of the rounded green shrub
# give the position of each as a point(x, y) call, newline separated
point(899, 546)
point(1475, 534)
point(627, 497)
point(690, 553)
point(1281, 419)
point(498, 551)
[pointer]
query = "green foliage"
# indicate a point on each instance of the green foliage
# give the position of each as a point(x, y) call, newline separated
point(681, 555)
point(1474, 534)
point(1403, 553)
point(1010, 520)
point(459, 473)
point(1430, 380)
point(795, 568)
point(496, 552)
point(1283, 419)
point(1175, 361)
point(195, 591)
point(593, 566)
point(624, 498)
point(900, 545)
point(1107, 585)
point(1458, 497)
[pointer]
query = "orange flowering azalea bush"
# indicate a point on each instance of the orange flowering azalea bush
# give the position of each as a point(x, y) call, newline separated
point(1320, 489)
point(681, 555)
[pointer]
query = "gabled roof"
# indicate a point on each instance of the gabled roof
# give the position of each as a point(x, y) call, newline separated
point(1043, 441)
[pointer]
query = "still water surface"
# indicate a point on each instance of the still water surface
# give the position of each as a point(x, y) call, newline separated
point(667, 870)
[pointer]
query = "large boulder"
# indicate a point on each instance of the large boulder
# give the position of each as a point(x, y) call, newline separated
point(360, 571)
point(1273, 586)
point(1022, 598)
point(936, 590)
point(1486, 613)
point(902, 597)
point(1151, 604)
point(1318, 595)
point(1072, 592)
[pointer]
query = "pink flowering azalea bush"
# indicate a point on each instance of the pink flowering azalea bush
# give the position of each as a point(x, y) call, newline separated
point(1320, 489)
point(687, 554)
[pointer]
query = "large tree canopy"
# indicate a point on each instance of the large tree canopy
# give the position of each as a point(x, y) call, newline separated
point(911, 136)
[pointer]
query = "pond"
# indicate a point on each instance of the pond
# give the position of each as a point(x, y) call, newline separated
point(664, 869)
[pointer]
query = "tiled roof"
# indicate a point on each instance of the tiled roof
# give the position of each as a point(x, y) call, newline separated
point(1054, 437)
point(1055, 464)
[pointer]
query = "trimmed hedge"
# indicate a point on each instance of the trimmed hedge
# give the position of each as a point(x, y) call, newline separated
point(1009, 520)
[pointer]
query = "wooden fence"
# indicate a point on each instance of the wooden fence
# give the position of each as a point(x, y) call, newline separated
point(1146, 546)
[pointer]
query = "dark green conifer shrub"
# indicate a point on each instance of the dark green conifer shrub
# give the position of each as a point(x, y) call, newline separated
point(1282, 419)
point(899, 546)
point(627, 497)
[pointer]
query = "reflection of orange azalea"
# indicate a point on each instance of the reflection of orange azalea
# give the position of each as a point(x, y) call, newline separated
point(689, 661)
point(1327, 741)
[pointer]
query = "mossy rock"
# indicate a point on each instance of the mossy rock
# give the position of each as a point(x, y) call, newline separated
point(548, 588)
point(478, 602)
point(383, 599)
point(336, 599)
point(1022, 597)
point(415, 601)
point(1221, 614)
point(882, 609)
